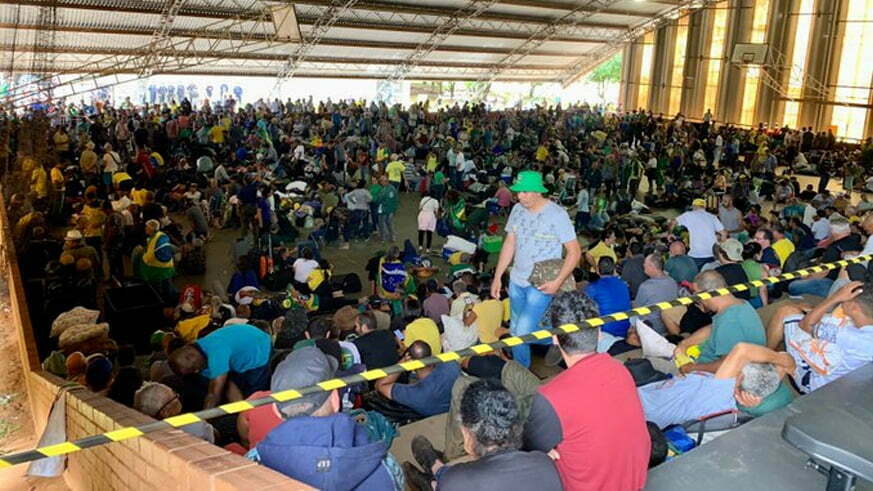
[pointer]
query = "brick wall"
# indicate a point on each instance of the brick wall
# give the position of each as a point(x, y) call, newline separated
point(164, 461)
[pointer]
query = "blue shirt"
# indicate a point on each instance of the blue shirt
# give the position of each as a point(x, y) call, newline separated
point(538, 237)
point(611, 294)
point(433, 394)
point(236, 348)
point(681, 399)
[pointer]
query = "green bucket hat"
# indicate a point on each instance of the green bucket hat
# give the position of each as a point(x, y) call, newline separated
point(529, 181)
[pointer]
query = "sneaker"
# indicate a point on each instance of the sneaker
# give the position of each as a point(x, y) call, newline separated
point(415, 479)
point(425, 454)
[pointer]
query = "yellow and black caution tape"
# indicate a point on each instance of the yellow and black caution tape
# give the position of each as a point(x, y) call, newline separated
point(408, 366)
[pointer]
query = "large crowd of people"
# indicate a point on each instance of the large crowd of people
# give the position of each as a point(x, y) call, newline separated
point(121, 198)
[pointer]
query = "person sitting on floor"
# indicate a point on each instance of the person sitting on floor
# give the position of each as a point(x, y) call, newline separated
point(827, 341)
point(576, 416)
point(734, 321)
point(491, 426)
point(749, 380)
point(432, 394)
point(161, 402)
point(611, 294)
point(316, 443)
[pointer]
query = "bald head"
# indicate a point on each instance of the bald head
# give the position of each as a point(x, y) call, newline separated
point(419, 350)
point(677, 248)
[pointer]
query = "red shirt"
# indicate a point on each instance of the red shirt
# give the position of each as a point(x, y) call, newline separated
point(261, 419)
point(603, 441)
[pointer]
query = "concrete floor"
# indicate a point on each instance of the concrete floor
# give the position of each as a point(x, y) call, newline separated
point(219, 268)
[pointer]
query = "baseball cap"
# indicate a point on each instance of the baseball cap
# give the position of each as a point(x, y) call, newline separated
point(733, 249)
point(302, 368)
point(699, 202)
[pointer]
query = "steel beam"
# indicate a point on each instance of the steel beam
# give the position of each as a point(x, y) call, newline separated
point(325, 41)
point(465, 14)
point(544, 34)
point(255, 56)
point(325, 21)
point(590, 60)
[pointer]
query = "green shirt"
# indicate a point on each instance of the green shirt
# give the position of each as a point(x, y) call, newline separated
point(386, 198)
point(736, 324)
point(753, 273)
point(439, 178)
point(681, 268)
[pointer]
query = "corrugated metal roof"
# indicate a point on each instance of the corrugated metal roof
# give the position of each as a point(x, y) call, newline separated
point(371, 39)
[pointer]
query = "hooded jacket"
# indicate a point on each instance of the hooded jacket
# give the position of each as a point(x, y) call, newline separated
point(330, 453)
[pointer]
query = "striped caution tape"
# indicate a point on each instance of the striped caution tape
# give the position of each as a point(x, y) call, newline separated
point(408, 366)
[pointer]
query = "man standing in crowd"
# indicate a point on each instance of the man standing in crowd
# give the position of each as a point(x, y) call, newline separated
point(704, 229)
point(536, 231)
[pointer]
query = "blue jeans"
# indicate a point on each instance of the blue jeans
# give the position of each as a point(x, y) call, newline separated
point(527, 306)
point(386, 226)
point(358, 224)
point(815, 286)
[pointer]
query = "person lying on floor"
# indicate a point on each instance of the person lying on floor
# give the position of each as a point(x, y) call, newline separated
point(749, 379)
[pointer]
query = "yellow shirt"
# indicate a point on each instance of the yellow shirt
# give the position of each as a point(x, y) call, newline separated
point(188, 329)
point(542, 153)
point(88, 161)
point(217, 134)
point(94, 221)
point(489, 315)
point(783, 248)
point(139, 196)
point(599, 251)
point(395, 171)
point(431, 164)
point(57, 177)
point(120, 177)
point(39, 181)
point(425, 330)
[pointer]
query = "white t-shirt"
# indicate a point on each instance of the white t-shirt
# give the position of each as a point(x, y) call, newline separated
point(111, 161)
point(302, 268)
point(428, 205)
point(821, 229)
point(702, 228)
